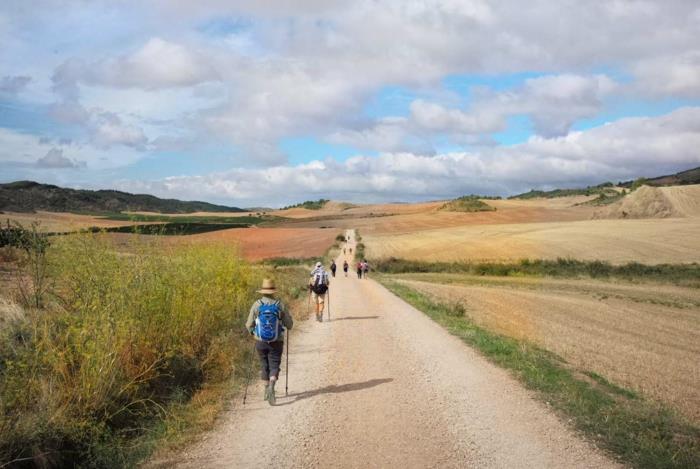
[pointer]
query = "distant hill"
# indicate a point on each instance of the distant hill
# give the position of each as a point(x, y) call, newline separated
point(29, 196)
point(605, 188)
point(691, 176)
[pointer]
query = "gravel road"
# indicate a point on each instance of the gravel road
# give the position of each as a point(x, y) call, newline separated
point(381, 385)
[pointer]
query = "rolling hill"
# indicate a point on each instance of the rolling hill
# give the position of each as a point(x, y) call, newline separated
point(29, 196)
point(691, 176)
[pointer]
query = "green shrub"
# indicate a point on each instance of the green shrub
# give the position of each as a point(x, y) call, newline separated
point(468, 203)
point(562, 267)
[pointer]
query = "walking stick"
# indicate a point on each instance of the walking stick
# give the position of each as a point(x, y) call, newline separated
point(308, 303)
point(286, 377)
point(329, 305)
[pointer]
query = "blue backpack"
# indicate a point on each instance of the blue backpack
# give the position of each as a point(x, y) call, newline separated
point(267, 325)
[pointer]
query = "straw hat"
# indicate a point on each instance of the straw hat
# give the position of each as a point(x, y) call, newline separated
point(268, 286)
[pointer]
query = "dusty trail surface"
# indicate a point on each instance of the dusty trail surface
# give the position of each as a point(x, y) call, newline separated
point(381, 385)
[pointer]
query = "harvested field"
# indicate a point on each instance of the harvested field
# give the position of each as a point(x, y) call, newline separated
point(264, 243)
point(410, 218)
point(61, 221)
point(627, 333)
point(650, 241)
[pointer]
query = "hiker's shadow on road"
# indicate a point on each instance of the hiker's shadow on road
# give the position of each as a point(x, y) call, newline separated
point(335, 389)
point(355, 318)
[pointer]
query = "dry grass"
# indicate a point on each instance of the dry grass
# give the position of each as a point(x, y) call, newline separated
point(642, 337)
point(648, 241)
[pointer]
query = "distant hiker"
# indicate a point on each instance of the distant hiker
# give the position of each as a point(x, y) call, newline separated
point(359, 269)
point(318, 286)
point(345, 267)
point(333, 268)
point(344, 250)
point(365, 268)
point(350, 250)
point(267, 321)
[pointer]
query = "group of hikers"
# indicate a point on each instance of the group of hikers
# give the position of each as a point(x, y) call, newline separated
point(362, 268)
point(269, 319)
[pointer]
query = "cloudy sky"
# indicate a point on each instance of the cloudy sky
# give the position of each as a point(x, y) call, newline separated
point(271, 102)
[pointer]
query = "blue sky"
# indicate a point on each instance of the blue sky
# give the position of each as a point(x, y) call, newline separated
point(268, 103)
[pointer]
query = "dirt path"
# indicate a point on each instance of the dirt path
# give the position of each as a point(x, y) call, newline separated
point(381, 385)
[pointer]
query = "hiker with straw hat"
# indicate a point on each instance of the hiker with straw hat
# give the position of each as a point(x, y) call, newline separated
point(267, 321)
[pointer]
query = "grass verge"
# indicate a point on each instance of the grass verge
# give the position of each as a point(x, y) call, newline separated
point(642, 433)
point(683, 274)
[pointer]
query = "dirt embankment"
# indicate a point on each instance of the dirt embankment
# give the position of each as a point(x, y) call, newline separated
point(655, 202)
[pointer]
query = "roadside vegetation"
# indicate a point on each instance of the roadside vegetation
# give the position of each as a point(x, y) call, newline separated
point(467, 203)
point(115, 353)
point(638, 431)
point(606, 198)
point(359, 247)
point(683, 274)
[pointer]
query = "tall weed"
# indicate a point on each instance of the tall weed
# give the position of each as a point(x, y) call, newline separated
point(122, 339)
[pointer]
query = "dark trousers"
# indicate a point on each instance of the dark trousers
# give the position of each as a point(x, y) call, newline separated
point(270, 354)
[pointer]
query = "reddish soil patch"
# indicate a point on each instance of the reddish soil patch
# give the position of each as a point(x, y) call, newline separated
point(264, 243)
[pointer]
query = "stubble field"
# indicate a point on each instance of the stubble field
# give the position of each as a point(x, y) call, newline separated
point(645, 337)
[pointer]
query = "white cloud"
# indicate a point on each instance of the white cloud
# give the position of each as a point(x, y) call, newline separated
point(309, 67)
point(22, 151)
point(554, 102)
point(433, 117)
point(108, 130)
point(676, 75)
point(157, 64)
point(54, 159)
point(621, 150)
point(13, 84)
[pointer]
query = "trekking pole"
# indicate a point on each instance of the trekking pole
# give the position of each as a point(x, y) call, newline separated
point(308, 304)
point(250, 374)
point(286, 377)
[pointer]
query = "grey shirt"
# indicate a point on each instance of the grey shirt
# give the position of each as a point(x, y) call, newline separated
point(285, 316)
